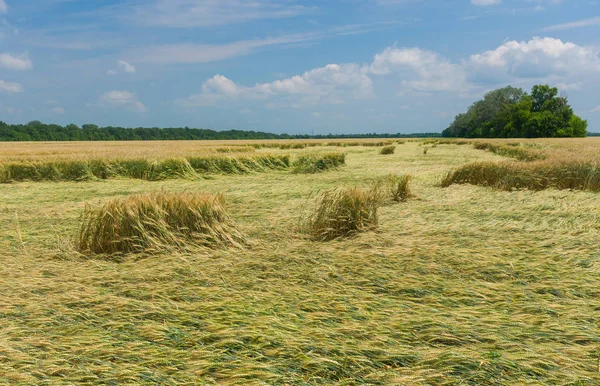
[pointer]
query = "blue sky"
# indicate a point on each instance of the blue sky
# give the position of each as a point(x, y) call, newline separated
point(345, 66)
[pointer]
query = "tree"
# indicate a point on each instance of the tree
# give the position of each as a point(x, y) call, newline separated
point(541, 94)
point(510, 112)
point(577, 128)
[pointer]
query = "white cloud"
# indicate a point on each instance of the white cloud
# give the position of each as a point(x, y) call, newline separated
point(10, 86)
point(221, 85)
point(414, 70)
point(120, 98)
point(536, 58)
point(483, 3)
point(327, 84)
point(574, 24)
point(419, 69)
point(15, 62)
point(323, 82)
point(211, 13)
point(597, 108)
point(202, 53)
point(3, 7)
point(57, 110)
point(122, 66)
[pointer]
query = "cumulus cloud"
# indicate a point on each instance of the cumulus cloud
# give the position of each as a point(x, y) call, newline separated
point(596, 109)
point(416, 70)
point(15, 62)
point(323, 82)
point(121, 98)
point(321, 85)
point(420, 70)
point(536, 58)
point(122, 67)
point(10, 87)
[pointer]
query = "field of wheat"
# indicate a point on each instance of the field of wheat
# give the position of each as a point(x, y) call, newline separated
point(437, 262)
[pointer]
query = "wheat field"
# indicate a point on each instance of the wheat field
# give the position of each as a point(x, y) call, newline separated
point(462, 282)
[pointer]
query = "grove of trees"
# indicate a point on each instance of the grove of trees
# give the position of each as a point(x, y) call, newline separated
point(510, 112)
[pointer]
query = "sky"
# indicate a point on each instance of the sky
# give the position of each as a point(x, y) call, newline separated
point(289, 66)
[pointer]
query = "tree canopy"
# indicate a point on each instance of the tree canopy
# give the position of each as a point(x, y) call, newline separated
point(510, 112)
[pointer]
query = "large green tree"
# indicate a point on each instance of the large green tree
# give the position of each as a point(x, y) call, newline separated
point(510, 112)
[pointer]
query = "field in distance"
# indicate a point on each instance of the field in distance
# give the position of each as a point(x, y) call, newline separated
point(36, 151)
point(487, 274)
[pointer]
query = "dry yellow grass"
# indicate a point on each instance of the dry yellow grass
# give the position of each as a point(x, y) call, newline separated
point(155, 222)
point(539, 165)
point(463, 285)
point(342, 213)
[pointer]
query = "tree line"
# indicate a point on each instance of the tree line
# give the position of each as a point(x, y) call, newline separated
point(38, 131)
point(510, 112)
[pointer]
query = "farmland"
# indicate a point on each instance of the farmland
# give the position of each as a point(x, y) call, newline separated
point(472, 279)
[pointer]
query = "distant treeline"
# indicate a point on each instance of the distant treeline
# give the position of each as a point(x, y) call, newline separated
point(38, 131)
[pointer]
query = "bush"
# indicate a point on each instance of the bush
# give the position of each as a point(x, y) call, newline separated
point(318, 163)
point(342, 213)
point(155, 222)
point(387, 150)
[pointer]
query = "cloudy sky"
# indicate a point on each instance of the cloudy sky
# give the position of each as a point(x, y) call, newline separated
point(296, 66)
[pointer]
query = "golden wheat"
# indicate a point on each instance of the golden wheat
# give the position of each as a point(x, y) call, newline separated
point(155, 222)
point(342, 213)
